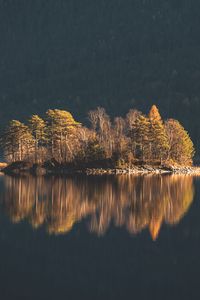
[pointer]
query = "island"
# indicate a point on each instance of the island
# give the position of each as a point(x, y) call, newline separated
point(133, 144)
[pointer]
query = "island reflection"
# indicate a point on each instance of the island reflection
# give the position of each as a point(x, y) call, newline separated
point(134, 202)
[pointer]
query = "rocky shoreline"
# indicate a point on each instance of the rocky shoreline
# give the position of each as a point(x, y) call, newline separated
point(26, 168)
point(146, 170)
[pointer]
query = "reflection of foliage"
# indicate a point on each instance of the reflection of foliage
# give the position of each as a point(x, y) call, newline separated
point(136, 202)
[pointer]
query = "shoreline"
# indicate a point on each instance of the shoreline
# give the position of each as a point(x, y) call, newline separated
point(145, 170)
point(26, 168)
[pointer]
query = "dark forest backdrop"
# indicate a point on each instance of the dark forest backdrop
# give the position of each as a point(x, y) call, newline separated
point(119, 54)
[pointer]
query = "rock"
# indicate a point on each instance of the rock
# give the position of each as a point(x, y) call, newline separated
point(38, 170)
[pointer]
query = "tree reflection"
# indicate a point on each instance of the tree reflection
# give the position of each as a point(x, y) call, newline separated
point(135, 202)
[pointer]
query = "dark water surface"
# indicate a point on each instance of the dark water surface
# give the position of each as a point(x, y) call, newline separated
point(125, 237)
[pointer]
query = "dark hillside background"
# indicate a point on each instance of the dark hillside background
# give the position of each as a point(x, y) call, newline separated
point(120, 54)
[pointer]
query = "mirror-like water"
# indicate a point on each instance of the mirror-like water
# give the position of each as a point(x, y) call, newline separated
point(99, 237)
point(133, 202)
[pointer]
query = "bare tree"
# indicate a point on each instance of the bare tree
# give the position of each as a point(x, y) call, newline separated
point(101, 123)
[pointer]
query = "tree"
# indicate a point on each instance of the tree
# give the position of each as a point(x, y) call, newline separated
point(141, 133)
point(181, 148)
point(121, 151)
point(119, 135)
point(124, 141)
point(100, 122)
point(159, 144)
point(94, 151)
point(131, 128)
point(38, 126)
point(131, 117)
point(18, 142)
point(61, 132)
point(85, 137)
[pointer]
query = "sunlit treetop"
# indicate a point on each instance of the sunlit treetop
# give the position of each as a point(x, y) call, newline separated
point(61, 117)
point(154, 113)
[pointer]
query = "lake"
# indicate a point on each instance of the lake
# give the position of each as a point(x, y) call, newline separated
point(100, 237)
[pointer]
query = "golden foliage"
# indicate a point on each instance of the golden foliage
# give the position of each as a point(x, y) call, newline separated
point(125, 141)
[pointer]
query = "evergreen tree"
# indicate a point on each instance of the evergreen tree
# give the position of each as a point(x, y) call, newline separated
point(141, 133)
point(61, 130)
point(181, 148)
point(131, 129)
point(18, 142)
point(94, 151)
point(158, 138)
point(37, 126)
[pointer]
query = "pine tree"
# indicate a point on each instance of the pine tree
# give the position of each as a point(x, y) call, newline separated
point(131, 129)
point(181, 147)
point(61, 129)
point(141, 133)
point(94, 151)
point(158, 139)
point(38, 126)
point(17, 142)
